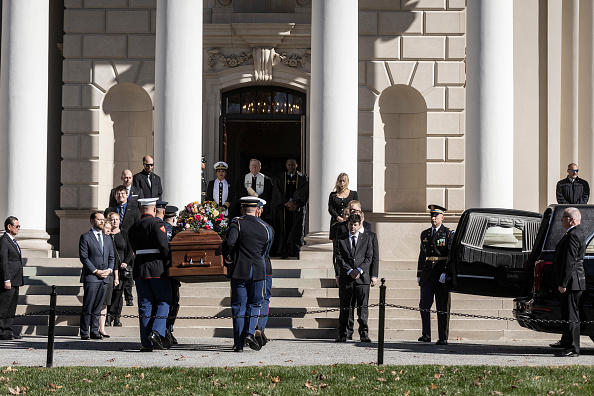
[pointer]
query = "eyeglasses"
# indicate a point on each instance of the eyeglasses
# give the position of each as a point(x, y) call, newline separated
point(573, 170)
point(149, 164)
point(15, 226)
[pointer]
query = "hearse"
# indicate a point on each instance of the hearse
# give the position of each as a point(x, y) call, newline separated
point(509, 253)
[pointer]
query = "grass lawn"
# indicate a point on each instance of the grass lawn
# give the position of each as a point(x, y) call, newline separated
point(302, 380)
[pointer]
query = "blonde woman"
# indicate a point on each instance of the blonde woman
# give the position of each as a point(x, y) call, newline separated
point(338, 200)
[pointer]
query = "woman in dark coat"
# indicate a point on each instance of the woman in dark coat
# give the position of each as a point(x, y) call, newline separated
point(338, 200)
point(124, 254)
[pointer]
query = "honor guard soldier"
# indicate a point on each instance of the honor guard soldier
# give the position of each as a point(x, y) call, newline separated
point(435, 247)
point(169, 219)
point(148, 238)
point(248, 240)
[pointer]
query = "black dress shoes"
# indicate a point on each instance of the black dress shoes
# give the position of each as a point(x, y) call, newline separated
point(85, 337)
point(425, 338)
point(557, 344)
point(129, 303)
point(567, 353)
point(441, 342)
point(236, 349)
point(341, 339)
point(261, 338)
point(105, 335)
point(117, 323)
point(146, 349)
point(96, 336)
point(16, 336)
point(155, 339)
point(251, 341)
point(365, 339)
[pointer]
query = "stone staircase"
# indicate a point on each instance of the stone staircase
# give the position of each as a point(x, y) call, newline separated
point(298, 286)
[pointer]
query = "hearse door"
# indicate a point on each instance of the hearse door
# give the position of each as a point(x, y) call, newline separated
point(489, 252)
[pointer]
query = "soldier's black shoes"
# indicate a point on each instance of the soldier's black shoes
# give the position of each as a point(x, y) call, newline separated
point(557, 344)
point(236, 349)
point(250, 340)
point(425, 338)
point(170, 338)
point(365, 339)
point(441, 342)
point(261, 337)
point(129, 303)
point(146, 349)
point(155, 339)
point(567, 354)
point(341, 339)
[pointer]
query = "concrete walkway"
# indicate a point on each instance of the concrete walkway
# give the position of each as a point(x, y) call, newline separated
point(216, 352)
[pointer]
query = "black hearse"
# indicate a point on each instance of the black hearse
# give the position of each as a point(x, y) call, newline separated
point(509, 253)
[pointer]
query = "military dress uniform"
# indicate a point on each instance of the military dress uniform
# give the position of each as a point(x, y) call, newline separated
point(435, 248)
point(148, 238)
point(249, 241)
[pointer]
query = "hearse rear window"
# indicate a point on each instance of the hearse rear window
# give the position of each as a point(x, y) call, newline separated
point(556, 230)
point(499, 231)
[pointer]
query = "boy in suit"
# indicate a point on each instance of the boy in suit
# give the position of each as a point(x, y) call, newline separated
point(354, 255)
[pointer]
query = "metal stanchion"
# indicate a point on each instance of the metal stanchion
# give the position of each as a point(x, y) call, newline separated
point(382, 322)
point(51, 328)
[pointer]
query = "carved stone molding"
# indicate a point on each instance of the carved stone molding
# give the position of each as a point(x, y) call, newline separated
point(263, 58)
point(229, 61)
point(224, 3)
point(293, 60)
point(303, 3)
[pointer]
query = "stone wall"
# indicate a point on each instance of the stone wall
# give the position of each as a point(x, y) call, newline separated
point(419, 44)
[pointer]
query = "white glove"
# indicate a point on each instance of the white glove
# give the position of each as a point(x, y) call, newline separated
point(419, 281)
point(442, 278)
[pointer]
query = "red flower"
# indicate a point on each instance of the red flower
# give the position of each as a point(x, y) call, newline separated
point(207, 227)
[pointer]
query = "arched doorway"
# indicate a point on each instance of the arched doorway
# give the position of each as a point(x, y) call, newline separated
point(267, 123)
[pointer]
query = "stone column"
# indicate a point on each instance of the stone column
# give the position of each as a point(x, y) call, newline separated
point(333, 103)
point(489, 104)
point(178, 99)
point(23, 120)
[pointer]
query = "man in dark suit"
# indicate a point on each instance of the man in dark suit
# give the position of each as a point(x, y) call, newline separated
point(354, 254)
point(11, 271)
point(129, 214)
point(435, 247)
point(248, 242)
point(573, 190)
point(134, 193)
point(220, 190)
point(570, 279)
point(147, 180)
point(289, 206)
point(97, 256)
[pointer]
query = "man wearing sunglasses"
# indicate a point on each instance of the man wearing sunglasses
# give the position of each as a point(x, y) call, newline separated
point(11, 272)
point(572, 189)
point(147, 180)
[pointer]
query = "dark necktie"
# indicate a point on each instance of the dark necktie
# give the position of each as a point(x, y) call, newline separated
point(254, 183)
point(354, 240)
point(220, 193)
point(17, 245)
point(121, 212)
point(100, 240)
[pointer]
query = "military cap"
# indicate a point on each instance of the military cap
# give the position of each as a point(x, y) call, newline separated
point(249, 201)
point(204, 159)
point(221, 165)
point(261, 203)
point(436, 209)
point(161, 204)
point(148, 201)
point(170, 210)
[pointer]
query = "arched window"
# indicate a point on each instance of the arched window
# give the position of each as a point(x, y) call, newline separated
point(263, 102)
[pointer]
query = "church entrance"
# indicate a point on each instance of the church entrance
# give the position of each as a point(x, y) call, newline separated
point(266, 123)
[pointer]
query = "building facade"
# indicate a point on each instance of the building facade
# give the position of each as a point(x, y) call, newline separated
point(460, 103)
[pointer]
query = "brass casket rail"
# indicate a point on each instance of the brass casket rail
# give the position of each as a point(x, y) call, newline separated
point(197, 257)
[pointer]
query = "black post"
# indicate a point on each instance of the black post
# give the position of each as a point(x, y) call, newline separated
point(382, 322)
point(51, 328)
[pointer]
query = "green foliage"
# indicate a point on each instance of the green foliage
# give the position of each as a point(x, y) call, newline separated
point(301, 380)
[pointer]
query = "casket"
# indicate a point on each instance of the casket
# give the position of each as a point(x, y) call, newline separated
point(197, 257)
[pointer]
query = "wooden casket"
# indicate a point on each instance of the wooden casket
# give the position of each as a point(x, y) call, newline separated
point(197, 257)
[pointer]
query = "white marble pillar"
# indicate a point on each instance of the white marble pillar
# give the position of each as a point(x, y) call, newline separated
point(178, 99)
point(489, 104)
point(333, 103)
point(23, 119)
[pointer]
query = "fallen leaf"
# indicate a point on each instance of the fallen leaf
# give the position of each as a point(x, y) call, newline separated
point(106, 374)
point(381, 371)
point(397, 378)
point(537, 377)
point(381, 379)
point(9, 369)
point(141, 375)
point(309, 385)
point(433, 386)
point(496, 393)
point(275, 380)
point(438, 375)
point(406, 393)
point(111, 360)
point(15, 391)
point(353, 378)
point(86, 380)
point(127, 376)
point(323, 385)
point(477, 383)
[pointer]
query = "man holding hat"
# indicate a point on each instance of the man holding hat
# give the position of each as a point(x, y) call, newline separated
point(248, 240)
point(436, 242)
point(148, 238)
point(219, 190)
point(169, 219)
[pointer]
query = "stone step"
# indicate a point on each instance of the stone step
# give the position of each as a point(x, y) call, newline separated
point(57, 263)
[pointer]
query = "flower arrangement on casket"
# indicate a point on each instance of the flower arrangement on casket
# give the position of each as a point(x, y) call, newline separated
point(202, 216)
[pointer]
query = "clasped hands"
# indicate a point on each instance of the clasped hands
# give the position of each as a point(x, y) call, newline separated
point(102, 274)
point(291, 205)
